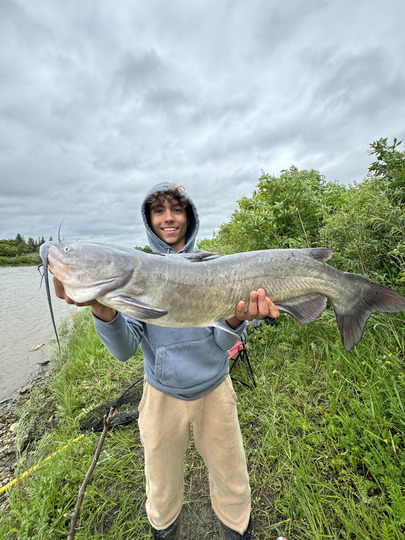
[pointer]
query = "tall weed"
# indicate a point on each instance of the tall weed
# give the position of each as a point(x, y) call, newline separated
point(323, 430)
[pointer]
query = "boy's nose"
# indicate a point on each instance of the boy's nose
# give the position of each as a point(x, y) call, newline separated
point(168, 216)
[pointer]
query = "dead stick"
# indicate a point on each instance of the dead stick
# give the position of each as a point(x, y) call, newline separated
point(82, 491)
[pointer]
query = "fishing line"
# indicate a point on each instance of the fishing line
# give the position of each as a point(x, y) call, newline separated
point(36, 467)
point(127, 411)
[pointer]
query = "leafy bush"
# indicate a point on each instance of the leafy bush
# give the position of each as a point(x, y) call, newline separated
point(367, 232)
point(363, 223)
point(284, 212)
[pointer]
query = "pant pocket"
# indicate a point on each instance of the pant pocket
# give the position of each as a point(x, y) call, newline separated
point(229, 385)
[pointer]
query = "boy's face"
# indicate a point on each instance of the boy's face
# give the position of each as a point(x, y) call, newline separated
point(169, 223)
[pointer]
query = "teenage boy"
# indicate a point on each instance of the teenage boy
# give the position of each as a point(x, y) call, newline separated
point(187, 385)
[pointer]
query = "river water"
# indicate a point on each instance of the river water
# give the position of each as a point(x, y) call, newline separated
point(25, 322)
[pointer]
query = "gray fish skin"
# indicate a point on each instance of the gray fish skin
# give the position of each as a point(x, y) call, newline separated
point(172, 290)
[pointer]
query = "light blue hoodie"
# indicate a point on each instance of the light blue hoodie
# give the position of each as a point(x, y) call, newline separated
point(186, 363)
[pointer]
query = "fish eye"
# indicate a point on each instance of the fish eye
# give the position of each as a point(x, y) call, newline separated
point(66, 248)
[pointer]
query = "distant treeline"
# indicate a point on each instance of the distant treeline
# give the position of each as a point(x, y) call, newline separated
point(19, 252)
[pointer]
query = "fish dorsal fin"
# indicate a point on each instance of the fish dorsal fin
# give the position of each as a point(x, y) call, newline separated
point(200, 256)
point(321, 254)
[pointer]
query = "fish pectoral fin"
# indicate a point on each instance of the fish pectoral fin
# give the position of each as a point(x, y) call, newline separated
point(304, 309)
point(223, 326)
point(139, 309)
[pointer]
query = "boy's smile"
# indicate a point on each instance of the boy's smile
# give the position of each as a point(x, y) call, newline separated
point(169, 223)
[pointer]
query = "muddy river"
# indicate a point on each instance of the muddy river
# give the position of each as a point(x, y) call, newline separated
point(25, 323)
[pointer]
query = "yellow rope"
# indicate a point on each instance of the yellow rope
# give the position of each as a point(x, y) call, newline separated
point(35, 467)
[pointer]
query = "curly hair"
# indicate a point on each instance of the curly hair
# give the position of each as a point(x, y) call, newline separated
point(173, 192)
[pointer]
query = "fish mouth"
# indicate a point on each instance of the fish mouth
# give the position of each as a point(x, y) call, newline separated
point(79, 286)
point(100, 288)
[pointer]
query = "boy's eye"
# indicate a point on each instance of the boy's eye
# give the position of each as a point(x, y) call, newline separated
point(175, 209)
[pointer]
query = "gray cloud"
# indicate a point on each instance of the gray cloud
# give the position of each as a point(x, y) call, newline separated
point(100, 100)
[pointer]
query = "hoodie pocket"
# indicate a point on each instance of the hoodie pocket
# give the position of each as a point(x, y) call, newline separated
point(189, 364)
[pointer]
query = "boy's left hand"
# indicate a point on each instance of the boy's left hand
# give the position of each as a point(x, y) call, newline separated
point(259, 307)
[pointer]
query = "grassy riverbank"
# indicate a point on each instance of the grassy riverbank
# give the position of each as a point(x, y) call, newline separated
point(31, 259)
point(324, 432)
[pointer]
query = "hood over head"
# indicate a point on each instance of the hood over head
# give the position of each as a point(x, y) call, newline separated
point(156, 243)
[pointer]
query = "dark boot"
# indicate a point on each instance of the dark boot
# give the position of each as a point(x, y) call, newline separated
point(228, 534)
point(171, 533)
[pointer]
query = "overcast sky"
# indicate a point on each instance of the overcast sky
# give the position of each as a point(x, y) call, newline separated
point(101, 99)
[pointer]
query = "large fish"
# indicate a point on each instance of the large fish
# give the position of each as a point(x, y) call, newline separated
point(196, 289)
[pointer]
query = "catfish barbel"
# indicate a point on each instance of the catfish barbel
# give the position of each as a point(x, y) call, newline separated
point(196, 290)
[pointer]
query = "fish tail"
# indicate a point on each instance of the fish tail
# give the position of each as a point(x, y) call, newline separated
point(367, 297)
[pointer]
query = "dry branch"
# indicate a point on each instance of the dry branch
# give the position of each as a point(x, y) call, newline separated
point(82, 491)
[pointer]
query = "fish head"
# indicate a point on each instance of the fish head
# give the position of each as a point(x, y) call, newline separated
point(88, 270)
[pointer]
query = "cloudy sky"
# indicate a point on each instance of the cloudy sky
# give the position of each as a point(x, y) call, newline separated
point(101, 99)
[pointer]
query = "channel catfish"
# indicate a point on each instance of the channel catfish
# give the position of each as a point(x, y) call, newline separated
point(201, 290)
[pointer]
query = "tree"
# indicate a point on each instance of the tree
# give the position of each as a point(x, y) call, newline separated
point(284, 212)
point(146, 249)
point(389, 167)
point(363, 223)
point(19, 239)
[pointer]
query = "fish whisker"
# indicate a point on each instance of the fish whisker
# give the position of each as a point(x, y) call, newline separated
point(44, 276)
point(60, 227)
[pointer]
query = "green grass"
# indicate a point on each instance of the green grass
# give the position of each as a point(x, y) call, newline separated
point(324, 433)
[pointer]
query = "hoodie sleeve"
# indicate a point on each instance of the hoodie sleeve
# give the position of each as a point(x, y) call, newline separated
point(121, 336)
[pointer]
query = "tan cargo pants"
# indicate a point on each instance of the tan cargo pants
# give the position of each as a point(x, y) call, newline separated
point(164, 424)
